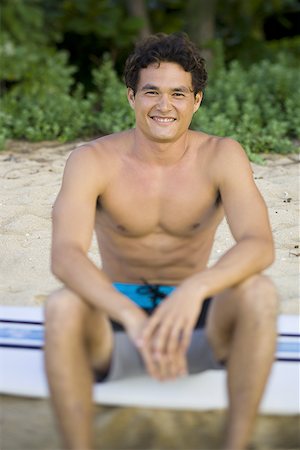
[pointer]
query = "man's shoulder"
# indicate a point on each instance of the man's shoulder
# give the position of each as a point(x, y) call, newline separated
point(104, 146)
point(218, 148)
point(101, 154)
point(94, 163)
point(222, 157)
point(216, 143)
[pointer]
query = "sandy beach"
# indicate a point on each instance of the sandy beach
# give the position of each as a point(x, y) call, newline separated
point(30, 180)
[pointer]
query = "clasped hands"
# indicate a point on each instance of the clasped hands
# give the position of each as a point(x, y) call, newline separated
point(163, 338)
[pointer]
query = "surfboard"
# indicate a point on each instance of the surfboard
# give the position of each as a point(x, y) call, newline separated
point(22, 371)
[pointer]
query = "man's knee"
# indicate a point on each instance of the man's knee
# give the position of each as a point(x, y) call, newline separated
point(257, 295)
point(64, 308)
point(253, 301)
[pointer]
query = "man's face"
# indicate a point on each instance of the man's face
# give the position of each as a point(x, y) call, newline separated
point(164, 102)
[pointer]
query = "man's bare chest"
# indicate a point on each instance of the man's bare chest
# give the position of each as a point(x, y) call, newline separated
point(139, 204)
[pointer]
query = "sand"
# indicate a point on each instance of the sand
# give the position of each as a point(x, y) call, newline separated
point(29, 425)
point(30, 180)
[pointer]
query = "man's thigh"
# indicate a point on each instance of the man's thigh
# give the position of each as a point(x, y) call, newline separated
point(251, 298)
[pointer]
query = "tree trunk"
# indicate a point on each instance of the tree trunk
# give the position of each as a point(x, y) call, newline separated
point(138, 9)
point(200, 24)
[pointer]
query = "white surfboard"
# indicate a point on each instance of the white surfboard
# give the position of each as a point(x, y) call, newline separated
point(22, 371)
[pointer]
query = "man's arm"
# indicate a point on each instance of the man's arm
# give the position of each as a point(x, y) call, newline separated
point(247, 217)
point(85, 178)
point(172, 324)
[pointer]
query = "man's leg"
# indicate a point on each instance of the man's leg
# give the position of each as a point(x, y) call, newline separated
point(77, 339)
point(241, 328)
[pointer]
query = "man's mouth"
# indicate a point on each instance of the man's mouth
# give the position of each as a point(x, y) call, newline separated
point(163, 119)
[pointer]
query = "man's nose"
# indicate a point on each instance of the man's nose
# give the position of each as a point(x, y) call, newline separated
point(164, 103)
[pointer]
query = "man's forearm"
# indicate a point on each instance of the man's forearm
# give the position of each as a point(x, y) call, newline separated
point(246, 258)
point(81, 275)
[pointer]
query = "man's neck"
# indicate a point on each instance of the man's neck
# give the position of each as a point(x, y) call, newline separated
point(160, 153)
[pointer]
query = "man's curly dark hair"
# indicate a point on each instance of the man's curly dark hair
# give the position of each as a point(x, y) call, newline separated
point(161, 47)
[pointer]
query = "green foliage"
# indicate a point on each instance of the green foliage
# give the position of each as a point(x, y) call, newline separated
point(101, 18)
point(41, 104)
point(115, 113)
point(240, 24)
point(46, 105)
point(36, 80)
point(256, 106)
point(289, 46)
point(42, 98)
point(24, 21)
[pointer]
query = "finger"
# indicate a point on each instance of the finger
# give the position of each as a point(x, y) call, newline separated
point(151, 365)
point(156, 363)
point(185, 339)
point(182, 365)
point(159, 357)
point(162, 337)
point(162, 366)
point(176, 365)
point(173, 366)
point(149, 330)
point(166, 350)
point(173, 342)
point(159, 316)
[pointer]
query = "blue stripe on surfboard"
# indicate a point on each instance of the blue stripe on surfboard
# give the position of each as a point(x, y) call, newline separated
point(23, 333)
point(13, 338)
point(288, 347)
point(24, 347)
point(37, 335)
point(14, 333)
point(17, 333)
point(21, 322)
point(288, 359)
point(27, 322)
point(38, 347)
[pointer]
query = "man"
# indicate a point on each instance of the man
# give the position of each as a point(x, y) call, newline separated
point(155, 196)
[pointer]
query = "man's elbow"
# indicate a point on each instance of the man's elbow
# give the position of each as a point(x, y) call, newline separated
point(268, 254)
point(57, 266)
point(63, 260)
point(60, 262)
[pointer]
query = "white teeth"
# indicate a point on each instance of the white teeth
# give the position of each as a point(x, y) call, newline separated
point(163, 119)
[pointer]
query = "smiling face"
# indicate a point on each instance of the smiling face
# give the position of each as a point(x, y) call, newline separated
point(164, 102)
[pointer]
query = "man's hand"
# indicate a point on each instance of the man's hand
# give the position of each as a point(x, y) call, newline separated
point(134, 321)
point(166, 336)
point(159, 366)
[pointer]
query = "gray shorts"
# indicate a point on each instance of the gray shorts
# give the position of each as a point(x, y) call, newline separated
point(127, 361)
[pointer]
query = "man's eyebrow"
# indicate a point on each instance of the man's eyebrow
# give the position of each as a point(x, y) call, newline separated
point(149, 87)
point(152, 87)
point(182, 89)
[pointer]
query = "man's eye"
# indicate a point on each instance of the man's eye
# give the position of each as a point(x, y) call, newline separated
point(151, 92)
point(178, 94)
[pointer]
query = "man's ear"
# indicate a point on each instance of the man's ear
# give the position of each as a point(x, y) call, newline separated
point(198, 100)
point(130, 97)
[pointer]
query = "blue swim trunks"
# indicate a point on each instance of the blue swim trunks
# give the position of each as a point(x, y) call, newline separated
point(146, 295)
point(149, 296)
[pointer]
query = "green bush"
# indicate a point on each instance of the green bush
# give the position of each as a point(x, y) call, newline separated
point(258, 106)
point(115, 114)
point(43, 102)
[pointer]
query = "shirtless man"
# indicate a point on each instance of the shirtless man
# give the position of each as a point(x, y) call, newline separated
point(155, 196)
